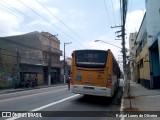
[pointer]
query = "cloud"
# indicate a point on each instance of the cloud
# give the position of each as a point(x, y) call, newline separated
point(76, 19)
point(16, 18)
point(116, 5)
point(82, 19)
point(134, 20)
point(9, 23)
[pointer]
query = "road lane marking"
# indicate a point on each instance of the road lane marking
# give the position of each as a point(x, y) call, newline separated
point(19, 97)
point(121, 109)
point(45, 106)
point(54, 103)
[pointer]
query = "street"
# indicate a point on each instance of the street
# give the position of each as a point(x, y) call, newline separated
point(59, 99)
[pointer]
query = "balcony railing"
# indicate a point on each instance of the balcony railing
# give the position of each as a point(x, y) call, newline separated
point(54, 50)
point(53, 64)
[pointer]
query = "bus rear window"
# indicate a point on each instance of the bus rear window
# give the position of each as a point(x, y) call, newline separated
point(91, 58)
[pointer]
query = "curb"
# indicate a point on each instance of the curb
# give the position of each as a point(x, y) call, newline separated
point(26, 89)
point(121, 108)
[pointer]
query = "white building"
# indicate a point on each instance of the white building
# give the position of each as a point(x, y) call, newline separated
point(153, 39)
point(148, 55)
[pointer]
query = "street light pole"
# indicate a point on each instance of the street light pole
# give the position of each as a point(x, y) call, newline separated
point(64, 66)
point(107, 43)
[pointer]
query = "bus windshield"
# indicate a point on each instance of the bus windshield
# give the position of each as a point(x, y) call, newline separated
point(91, 58)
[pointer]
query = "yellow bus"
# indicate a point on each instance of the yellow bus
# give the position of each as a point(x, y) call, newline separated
point(94, 72)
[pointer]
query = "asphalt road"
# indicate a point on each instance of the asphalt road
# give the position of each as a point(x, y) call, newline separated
point(58, 101)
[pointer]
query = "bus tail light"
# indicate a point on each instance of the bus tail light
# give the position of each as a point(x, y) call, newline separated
point(109, 80)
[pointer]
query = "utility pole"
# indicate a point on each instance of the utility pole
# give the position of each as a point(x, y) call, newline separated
point(64, 66)
point(124, 11)
point(18, 61)
point(123, 35)
point(16, 77)
point(49, 64)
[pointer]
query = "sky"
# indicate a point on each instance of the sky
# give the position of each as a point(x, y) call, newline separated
point(78, 21)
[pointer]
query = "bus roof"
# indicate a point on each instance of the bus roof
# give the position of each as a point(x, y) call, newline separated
point(91, 50)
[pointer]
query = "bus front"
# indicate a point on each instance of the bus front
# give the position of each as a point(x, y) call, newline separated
point(89, 73)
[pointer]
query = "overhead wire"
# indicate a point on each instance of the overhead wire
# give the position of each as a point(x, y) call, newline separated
point(114, 16)
point(10, 10)
point(129, 18)
point(109, 17)
point(106, 9)
point(59, 20)
point(107, 12)
point(113, 12)
point(27, 58)
point(52, 24)
point(20, 50)
point(120, 7)
point(49, 22)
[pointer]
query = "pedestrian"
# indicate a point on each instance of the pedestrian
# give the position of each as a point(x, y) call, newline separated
point(68, 82)
point(35, 81)
point(27, 83)
point(15, 80)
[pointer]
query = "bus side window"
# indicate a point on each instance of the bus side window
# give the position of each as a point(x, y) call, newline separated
point(114, 67)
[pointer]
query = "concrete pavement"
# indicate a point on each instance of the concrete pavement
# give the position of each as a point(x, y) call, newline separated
point(141, 100)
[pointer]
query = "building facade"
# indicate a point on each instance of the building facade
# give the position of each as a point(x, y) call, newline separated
point(35, 56)
point(153, 41)
point(51, 57)
point(132, 50)
point(148, 47)
point(142, 56)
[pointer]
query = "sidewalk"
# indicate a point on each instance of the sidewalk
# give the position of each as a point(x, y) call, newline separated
point(11, 90)
point(142, 99)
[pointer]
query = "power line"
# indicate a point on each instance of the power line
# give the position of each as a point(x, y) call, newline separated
point(120, 10)
point(108, 17)
point(114, 33)
point(48, 21)
point(8, 11)
point(130, 11)
point(27, 58)
point(22, 53)
point(59, 19)
point(27, 18)
point(41, 16)
point(113, 12)
point(131, 5)
point(107, 12)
